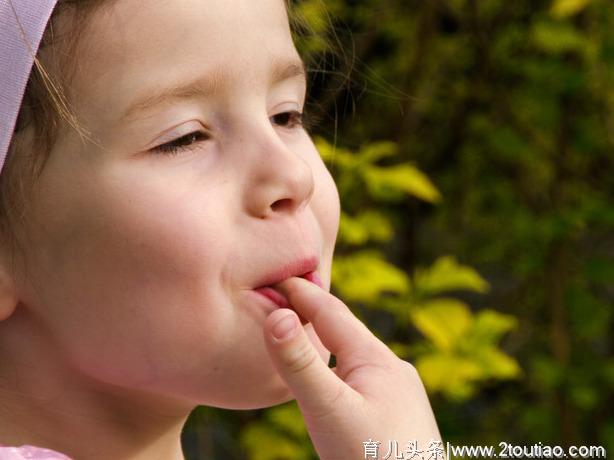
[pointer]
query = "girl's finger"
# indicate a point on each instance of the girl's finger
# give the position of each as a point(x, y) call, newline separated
point(340, 331)
point(317, 389)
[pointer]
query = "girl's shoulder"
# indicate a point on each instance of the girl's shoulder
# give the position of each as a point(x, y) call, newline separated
point(30, 452)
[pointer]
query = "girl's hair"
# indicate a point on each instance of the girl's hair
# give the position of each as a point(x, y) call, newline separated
point(42, 110)
point(45, 106)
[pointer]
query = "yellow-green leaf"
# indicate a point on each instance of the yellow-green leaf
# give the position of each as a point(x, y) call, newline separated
point(490, 325)
point(341, 157)
point(376, 150)
point(365, 275)
point(566, 8)
point(368, 225)
point(446, 274)
point(448, 373)
point(497, 364)
point(352, 231)
point(379, 226)
point(263, 443)
point(443, 321)
point(288, 417)
point(556, 38)
point(404, 178)
point(400, 349)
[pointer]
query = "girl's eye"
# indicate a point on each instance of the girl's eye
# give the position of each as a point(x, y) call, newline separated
point(180, 144)
point(291, 119)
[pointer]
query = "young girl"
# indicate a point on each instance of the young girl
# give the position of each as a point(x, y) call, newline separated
point(167, 237)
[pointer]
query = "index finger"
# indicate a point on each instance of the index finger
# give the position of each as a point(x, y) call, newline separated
point(341, 332)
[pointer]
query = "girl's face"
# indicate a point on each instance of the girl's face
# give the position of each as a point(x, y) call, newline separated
point(142, 264)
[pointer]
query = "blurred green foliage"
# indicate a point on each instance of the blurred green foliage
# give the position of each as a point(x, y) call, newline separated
point(472, 143)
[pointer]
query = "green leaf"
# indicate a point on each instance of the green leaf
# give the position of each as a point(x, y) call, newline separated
point(450, 374)
point(379, 226)
point(565, 8)
point(443, 321)
point(490, 325)
point(263, 443)
point(368, 225)
point(446, 274)
point(496, 364)
point(365, 275)
point(387, 182)
point(607, 371)
point(330, 153)
point(402, 350)
point(584, 396)
point(546, 372)
point(397, 306)
point(352, 231)
point(557, 38)
point(288, 417)
point(599, 269)
point(315, 14)
point(375, 151)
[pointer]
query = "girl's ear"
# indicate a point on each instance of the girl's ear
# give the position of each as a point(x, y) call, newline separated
point(8, 291)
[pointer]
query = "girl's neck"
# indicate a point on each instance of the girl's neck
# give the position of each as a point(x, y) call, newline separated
point(45, 405)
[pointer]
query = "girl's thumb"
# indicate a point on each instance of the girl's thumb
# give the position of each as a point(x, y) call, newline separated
point(316, 388)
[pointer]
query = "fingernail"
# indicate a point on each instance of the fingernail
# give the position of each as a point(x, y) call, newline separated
point(283, 328)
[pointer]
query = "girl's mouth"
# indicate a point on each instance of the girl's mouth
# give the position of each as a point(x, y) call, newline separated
point(314, 277)
point(275, 296)
point(279, 300)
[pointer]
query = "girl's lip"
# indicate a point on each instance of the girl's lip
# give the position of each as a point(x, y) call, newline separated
point(275, 296)
point(279, 299)
point(298, 267)
point(314, 277)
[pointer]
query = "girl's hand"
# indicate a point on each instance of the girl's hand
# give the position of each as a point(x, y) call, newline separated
point(370, 395)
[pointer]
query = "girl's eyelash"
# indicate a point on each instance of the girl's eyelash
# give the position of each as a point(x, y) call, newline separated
point(180, 144)
point(292, 120)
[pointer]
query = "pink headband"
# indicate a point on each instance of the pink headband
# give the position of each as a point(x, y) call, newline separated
point(22, 23)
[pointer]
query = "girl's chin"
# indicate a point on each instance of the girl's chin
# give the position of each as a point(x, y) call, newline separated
point(274, 400)
point(261, 398)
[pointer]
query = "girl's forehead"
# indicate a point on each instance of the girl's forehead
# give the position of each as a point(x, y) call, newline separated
point(132, 35)
point(131, 45)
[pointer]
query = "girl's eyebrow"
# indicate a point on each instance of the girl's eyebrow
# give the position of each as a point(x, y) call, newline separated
point(281, 69)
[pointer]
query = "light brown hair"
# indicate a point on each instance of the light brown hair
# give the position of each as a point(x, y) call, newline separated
point(43, 110)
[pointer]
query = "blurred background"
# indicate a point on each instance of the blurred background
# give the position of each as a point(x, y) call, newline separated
point(472, 142)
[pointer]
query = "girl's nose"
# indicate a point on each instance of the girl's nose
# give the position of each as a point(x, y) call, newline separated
point(280, 179)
